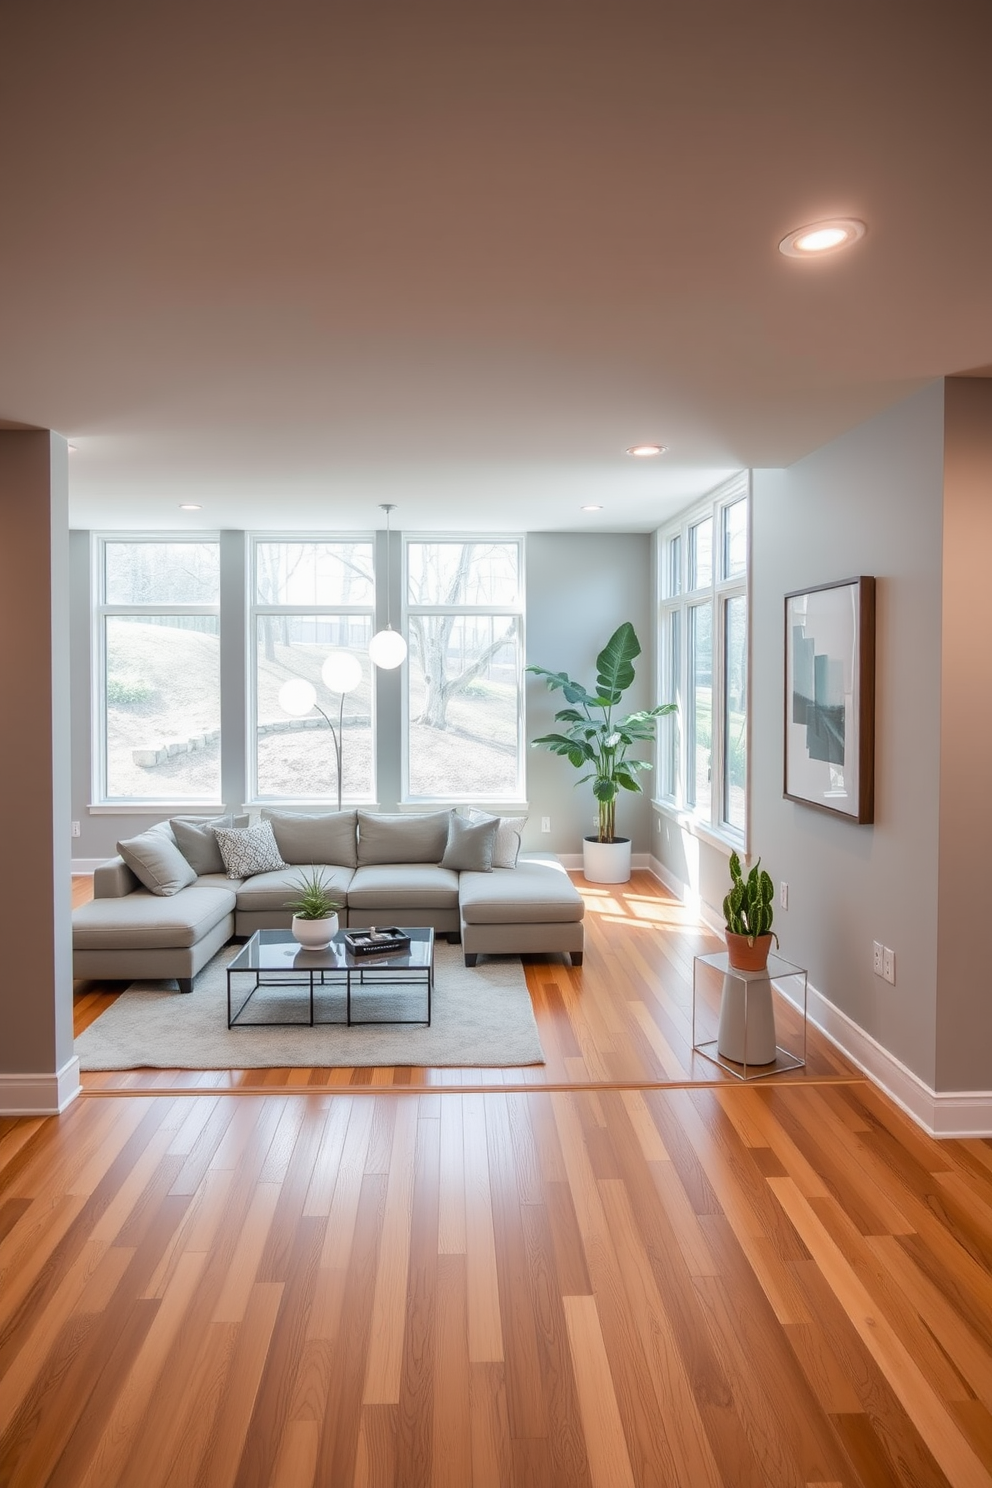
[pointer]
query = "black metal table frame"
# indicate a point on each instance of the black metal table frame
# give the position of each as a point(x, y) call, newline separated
point(387, 978)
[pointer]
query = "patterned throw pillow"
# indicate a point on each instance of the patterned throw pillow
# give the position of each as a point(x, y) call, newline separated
point(248, 850)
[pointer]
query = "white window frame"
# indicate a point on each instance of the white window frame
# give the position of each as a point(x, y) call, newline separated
point(673, 678)
point(408, 798)
point(255, 799)
point(101, 801)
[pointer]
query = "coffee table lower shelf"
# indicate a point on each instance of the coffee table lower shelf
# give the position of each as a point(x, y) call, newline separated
point(278, 964)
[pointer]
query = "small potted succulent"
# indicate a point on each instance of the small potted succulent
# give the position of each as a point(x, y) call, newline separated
point(315, 919)
point(748, 913)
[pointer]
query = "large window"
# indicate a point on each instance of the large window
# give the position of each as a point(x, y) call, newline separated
point(703, 649)
point(158, 670)
point(464, 714)
point(313, 603)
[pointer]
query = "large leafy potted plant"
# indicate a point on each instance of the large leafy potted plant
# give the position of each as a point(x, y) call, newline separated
point(595, 739)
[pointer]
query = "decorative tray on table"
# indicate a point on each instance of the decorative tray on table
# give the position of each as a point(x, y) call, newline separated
point(376, 941)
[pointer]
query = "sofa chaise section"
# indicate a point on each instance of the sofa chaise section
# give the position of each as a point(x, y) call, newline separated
point(534, 907)
point(125, 932)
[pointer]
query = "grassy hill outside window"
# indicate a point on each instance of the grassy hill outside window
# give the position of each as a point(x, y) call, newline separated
point(157, 673)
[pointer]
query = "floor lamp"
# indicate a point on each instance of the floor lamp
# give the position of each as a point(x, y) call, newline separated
point(341, 673)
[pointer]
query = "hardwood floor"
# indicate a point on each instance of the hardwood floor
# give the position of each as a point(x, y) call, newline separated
point(622, 1283)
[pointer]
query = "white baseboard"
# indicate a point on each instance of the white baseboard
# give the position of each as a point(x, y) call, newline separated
point(39, 1095)
point(710, 917)
point(87, 865)
point(941, 1113)
point(573, 861)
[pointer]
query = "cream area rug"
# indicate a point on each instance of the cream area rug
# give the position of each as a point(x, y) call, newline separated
point(482, 1016)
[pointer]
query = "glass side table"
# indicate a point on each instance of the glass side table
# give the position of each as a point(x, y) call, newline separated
point(751, 1023)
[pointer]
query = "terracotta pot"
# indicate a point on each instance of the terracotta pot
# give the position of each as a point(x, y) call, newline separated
point(747, 956)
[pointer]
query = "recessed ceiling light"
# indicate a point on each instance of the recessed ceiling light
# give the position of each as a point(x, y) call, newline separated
point(822, 237)
point(189, 506)
point(644, 451)
point(590, 508)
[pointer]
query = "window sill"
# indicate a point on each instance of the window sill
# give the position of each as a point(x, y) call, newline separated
point(724, 842)
point(157, 808)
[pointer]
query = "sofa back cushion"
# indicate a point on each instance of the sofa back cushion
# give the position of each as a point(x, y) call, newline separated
point(320, 837)
point(402, 839)
point(196, 841)
point(156, 861)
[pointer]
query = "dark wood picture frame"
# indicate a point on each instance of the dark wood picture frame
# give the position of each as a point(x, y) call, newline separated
point(829, 723)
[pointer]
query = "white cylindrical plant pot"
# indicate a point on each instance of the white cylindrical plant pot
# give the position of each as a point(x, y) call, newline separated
point(606, 862)
point(747, 1030)
point(315, 935)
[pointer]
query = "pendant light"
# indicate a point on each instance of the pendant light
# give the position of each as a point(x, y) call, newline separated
point(387, 648)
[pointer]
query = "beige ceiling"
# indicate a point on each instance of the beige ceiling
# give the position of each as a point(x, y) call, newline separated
point(292, 260)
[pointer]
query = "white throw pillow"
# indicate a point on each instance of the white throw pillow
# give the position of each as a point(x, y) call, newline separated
point(507, 846)
point(248, 850)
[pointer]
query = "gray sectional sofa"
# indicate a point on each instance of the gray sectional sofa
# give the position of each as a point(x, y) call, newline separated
point(169, 902)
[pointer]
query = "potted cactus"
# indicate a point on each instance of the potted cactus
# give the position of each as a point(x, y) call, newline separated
point(748, 913)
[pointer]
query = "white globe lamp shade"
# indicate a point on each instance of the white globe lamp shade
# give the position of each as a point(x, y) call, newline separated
point(342, 671)
point(297, 697)
point(387, 649)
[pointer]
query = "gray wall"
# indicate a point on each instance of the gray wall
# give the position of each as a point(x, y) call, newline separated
point(579, 588)
point(36, 986)
point(868, 503)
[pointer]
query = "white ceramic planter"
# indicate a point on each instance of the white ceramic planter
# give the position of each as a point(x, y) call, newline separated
point(750, 1039)
point(606, 862)
point(315, 935)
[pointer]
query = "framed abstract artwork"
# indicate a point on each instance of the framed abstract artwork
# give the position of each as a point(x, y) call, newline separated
point(830, 698)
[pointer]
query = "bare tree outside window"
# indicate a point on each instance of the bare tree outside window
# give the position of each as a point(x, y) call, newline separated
point(464, 678)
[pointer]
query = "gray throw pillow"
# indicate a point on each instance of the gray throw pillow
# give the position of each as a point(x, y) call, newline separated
point(470, 845)
point(248, 850)
point(156, 861)
point(196, 841)
point(319, 837)
point(402, 839)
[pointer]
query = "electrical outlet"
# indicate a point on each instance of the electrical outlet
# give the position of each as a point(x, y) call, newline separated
point(75, 829)
point(545, 824)
point(783, 895)
point(878, 953)
point(889, 965)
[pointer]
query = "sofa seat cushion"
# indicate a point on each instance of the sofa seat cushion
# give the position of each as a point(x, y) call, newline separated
point(268, 891)
point(143, 920)
point(401, 886)
point(537, 891)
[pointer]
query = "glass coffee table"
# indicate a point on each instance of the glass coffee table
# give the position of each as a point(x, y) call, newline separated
point(293, 986)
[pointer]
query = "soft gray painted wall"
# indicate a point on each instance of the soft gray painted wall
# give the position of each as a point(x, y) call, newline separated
point(580, 587)
point(964, 1007)
point(36, 987)
point(868, 503)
